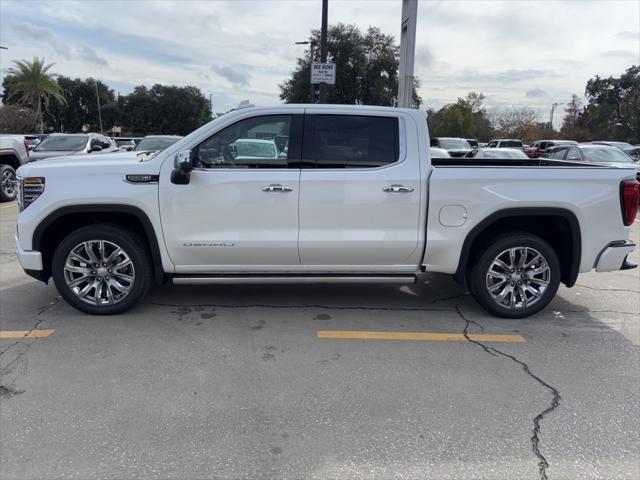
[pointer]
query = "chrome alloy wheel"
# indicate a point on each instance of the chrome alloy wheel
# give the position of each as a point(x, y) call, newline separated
point(99, 272)
point(518, 278)
point(8, 183)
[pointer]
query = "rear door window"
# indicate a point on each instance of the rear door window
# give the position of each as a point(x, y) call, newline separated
point(350, 141)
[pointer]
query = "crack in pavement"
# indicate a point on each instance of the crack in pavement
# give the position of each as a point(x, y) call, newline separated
point(606, 289)
point(8, 389)
point(41, 310)
point(543, 465)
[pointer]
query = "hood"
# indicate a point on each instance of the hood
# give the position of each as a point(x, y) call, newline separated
point(458, 152)
point(34, 155)
point(92, 164)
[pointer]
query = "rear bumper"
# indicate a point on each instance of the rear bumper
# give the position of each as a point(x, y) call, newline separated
point(29, 259)
point(614, 255)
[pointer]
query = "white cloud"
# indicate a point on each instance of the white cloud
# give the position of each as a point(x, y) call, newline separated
point(238, 79)
point(497, 47)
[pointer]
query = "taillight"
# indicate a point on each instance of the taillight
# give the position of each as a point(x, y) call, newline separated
point(26, 147)
point(629, 199)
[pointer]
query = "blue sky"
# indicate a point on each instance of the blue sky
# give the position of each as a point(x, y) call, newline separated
point(516, 52)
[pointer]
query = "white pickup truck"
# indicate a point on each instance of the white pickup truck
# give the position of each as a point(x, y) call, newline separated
point(319, 193)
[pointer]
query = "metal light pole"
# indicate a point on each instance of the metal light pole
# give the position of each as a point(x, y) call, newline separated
point(407, 53)
point(312, 92)
point(99, 112)
point(553, 108)
point(323, 48)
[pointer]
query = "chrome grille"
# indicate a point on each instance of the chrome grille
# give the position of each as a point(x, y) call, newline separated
point(28, 191)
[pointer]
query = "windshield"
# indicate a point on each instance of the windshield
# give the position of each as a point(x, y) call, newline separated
point(605, 155)
point(66, 143)
point(123, 141)
point(500, 154)
point(256, 149)
point(454, 143)
point(155, 143)
point(511, 143)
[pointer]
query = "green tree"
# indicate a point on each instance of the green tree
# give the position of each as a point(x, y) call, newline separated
point(33, 85)
point(165, 109)
point(366, 69)
point(81, 107)
point(467, 118)
point(613, 109)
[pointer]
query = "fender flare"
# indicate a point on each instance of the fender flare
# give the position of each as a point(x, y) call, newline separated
point(152, 238)
point(569, 216)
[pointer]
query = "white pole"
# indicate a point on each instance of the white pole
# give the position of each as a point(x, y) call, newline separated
point(407, 53)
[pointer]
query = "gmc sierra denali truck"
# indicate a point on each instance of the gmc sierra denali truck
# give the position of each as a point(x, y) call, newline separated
point(319, 193)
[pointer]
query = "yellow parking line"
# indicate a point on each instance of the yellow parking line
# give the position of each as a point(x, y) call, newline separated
point(9, 205)
point(6, 334)
point(436, 337)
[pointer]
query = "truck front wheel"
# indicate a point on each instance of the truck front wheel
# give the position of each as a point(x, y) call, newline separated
point(102, 269)
point(515, 276)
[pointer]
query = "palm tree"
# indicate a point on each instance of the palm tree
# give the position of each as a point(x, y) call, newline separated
point(35, 86)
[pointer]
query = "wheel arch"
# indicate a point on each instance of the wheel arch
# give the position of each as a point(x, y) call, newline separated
point(558, 226)
point(11, 159)
point(58, 224)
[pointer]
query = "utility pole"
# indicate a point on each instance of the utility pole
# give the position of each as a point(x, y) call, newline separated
point(407, 53)
point(553, 108)
point(323, 48)
point(312, 90)
point(99, 112)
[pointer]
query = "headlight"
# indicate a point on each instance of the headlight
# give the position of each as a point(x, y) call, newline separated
point(29, 189)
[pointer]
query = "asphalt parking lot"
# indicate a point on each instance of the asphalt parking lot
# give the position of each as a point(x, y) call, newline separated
point(290, 382)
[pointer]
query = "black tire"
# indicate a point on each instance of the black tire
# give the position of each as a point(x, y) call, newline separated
point(479, 272)
point(7, 192)
point(132, 245)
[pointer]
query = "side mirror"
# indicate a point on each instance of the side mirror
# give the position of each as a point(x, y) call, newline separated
point(95, 146)
point(182, 166)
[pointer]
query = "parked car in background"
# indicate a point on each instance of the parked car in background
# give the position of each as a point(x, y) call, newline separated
point(505, 143)
point(156, 143)
point(473, 143)
point(439, 153)
point(498, 154)
point(127, 144)
point(63, 144)
point(14, 152)
point(621, 145)
point(457, 147)
point(592, 153)
point(537, 148)
point(633, 152)
point(32, 141)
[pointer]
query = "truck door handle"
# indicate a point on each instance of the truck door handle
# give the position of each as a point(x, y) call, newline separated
point(276, 188)
point(397, 189)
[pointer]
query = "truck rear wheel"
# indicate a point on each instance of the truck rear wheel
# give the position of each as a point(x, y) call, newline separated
point(102, 269)
point(7, 183)
point(516, 275)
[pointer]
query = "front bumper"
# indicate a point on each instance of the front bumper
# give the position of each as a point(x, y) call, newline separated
point(29, 259)
point(614, 255)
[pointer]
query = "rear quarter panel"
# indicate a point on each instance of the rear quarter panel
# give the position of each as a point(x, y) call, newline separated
point(592, 194)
